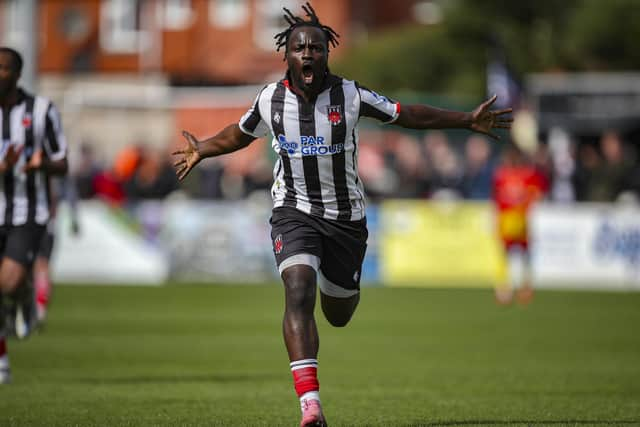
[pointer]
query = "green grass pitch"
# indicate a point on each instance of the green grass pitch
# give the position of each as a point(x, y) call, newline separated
point(213, 356)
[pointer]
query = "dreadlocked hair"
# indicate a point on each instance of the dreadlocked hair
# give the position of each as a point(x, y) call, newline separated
point(294, 22)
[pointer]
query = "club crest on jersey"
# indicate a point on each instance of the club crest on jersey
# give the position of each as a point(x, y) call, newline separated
point(277, 244)
point(27, 120)
point(334, 113)
point(276, 117)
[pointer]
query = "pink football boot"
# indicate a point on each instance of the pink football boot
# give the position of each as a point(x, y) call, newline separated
point(312, 414)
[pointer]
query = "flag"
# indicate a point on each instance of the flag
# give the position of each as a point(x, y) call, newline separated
point(501, 81)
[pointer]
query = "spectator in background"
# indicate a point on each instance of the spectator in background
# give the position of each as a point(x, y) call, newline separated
point(609, 177)
point(153, 177)
point(588, 161)
point(259, 176)
point(207, 183)
point(561, 151)
point(85, 172)
point(478, 169)
point(408, 163)
point(372, 167)
point(543, 162)
point(392, 167)
point(444, 172)
point(109, 184)
point(631, 184)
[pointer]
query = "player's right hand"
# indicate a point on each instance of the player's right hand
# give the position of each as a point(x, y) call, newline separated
point(189, 156)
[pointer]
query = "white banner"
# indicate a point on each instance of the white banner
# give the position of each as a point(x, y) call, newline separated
point(214, 241)
point(586, 246)
point(156, 241)
point(106, 250)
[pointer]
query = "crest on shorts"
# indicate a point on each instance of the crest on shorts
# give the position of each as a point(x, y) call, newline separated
point(277, 244)
point(334, 114)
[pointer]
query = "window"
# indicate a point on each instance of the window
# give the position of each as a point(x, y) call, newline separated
point(177, 14)
point(74, 24)
point(10, 32)
point(269, 20)
point(120, 30)
point(228, 14)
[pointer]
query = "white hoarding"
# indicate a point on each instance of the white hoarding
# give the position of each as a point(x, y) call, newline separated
point(106, 250)
point(586, 246)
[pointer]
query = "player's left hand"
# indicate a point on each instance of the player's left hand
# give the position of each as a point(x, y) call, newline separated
point(35, 162)
point(484, 120)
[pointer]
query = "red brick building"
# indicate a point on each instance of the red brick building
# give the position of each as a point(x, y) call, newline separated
point(193, 41)
point(113, 65)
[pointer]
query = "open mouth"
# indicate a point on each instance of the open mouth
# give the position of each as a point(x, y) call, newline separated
point(307, 74)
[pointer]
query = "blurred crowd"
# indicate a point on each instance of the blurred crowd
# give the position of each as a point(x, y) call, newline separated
point(432, 165)
point(137, 173)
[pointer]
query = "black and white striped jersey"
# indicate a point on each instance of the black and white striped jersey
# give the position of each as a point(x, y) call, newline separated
point(317, 171)
point(33, 123)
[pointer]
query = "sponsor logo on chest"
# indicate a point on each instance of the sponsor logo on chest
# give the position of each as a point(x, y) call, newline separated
point(309, 146)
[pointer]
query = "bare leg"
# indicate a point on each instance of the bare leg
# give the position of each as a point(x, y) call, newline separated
point(338, 311)
point(12, 275)
point(299, 325)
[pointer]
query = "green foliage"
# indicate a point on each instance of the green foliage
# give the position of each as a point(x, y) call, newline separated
point(410, 58)
point(603, 35)
point(535, 36)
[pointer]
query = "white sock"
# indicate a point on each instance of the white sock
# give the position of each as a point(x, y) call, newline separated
point(5, 375)
point(310, 395)
point(516, 267)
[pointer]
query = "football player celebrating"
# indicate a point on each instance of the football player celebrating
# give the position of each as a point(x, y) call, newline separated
point(318, 221)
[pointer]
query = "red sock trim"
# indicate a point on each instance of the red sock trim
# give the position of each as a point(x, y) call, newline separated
point(305, 380)
point(43, 291)
point(3, 346)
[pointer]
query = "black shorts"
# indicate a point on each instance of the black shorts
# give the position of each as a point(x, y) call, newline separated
point(20, 243)
point(45, 248)
point(340, 245)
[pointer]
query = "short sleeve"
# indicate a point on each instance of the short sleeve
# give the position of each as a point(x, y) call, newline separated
point(251, 122)
point(377, 106)
point(55, 144)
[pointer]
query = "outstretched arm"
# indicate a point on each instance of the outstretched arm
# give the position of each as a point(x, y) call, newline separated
point(482, 119)
point(226, 141)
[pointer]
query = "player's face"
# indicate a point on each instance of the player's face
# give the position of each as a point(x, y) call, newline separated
point(307, 57)
point(8, 74)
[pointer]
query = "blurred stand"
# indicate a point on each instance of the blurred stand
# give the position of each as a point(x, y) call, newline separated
point(129, 75)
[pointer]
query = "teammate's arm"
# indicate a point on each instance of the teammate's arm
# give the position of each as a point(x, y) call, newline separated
point(53, 167)
point(228, 140)
point(10, 158)
point(481, 120)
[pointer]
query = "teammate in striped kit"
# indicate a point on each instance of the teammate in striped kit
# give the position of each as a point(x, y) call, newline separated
point(33, 148)
point(318, 222)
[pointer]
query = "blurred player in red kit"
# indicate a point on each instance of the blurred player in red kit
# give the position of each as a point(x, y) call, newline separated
point(517, 185)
